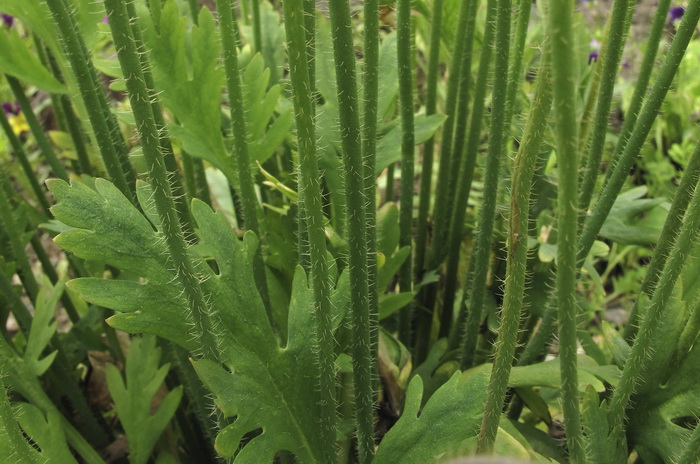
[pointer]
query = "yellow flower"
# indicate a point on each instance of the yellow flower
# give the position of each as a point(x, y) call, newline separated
point(18, 123)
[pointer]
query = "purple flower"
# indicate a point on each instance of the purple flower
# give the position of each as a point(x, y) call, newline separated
point(105, 20)
point(7, 19)
point(593, 56)
point(676, 13)
point(11, 109)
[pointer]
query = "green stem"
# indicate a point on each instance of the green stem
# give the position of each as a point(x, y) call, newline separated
point(14, 233)
point(257, 29)
point(560, 31)
point(24, 163)
point(36, 128)
point(466, 175)
point(429, 147)
point(405, 74)
point(166, 147)
point(92, 96)
point(642, 348)
point(251, 207)
point(369, 150)
point(139, 96)
point(348, 109)
point(643, 77)
point(691, 454)
point(674, 218)
point(71, 120)
point(523, 170)
point(311, 191)
point(506, 345)
point(616, 37)
point(389, 189)
point(594, 222)
point(460, 75)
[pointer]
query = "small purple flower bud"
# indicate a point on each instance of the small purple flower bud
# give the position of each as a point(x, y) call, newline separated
point(676, 13)
point(593, 56)
point(10, 108)
point(7, 20)
point(626, 64)
point(105, 20)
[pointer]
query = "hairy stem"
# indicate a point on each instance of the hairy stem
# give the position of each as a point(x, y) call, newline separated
point(350, 135)
point(311, 192)
point(560, 31)
point(139, 96)
point(506, 345)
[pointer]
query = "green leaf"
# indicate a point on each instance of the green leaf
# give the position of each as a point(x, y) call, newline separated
point(18, 61)
point(107, 228)
point(15, 448)
point(665, 405)
point(623, 224)
point(389, 146)
point(42, 329)
point(546, 374)
point(190, 81)
point(264, 138)
point(46, 432)
point(452, 415)
point(133, 398)
point(279, 379)
point(603, 446)
point(37, 17)
point(389, 304)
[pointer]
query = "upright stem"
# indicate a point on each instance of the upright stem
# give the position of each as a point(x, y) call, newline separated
point(672, 225)
point(36, 128)
point(14, 233)
point(229, 39)
point(350, 134)
point(523, 170)
point(466, 175)
point(311, 192)
point(643, 77)
point(617, 33)
point(369, 151)
point(642, 347)
point(92, 96)
point(560, 31)
point(166, 147)
point(506, 345)
point(139, 96)
point(24, 163)
point(426, 176)
point(405, 73)
point(594, 222)
point(257, 28)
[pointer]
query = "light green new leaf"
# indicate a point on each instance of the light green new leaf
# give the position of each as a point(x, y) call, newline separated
point(189, 80)
point(42, 329)
point(133, 399)
point(17, 60)
point(260, 104)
